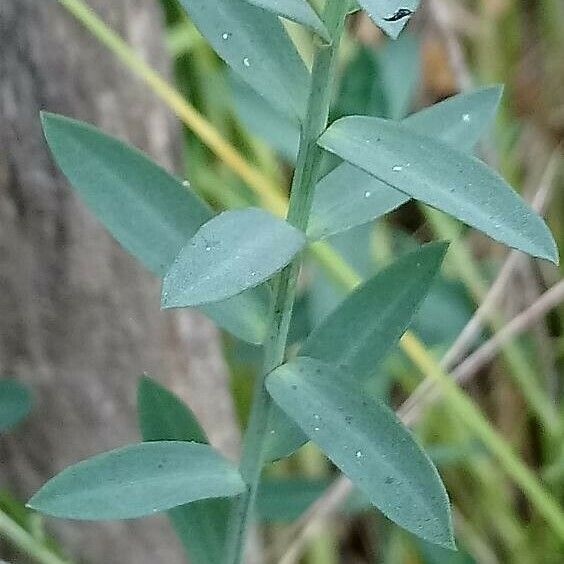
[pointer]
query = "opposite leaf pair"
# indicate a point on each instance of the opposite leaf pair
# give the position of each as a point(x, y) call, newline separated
point(326, 404)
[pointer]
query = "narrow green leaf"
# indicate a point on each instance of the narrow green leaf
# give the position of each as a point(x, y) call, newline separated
point(234, 251)
point(368, 443)
point(254, 43)
point(361, 88)
point(459, 121)
point(390, 15)
point(298, 11)
point(361, 332)
point(442, 177)
point(15, 403)
point(200, 525)
point(348, 196)
point(138, 480)
point(164, 417)
point(148, 211)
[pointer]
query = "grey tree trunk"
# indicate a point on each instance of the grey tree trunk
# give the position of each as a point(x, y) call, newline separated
point(79, 319)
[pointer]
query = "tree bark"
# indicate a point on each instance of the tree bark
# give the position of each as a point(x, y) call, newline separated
point(80, 320)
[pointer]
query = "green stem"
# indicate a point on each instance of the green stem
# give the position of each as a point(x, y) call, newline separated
point(23, 541)
point(305, 178)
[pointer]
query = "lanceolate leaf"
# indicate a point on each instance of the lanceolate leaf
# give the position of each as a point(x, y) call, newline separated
point(138, 480)
point(361, 332)
point(146, 209)
point(298, 11)
point(459, 121)
point(390, 15)
point(233, 252)
point(15, 403)
point(368, 443)
point(150, 213)
point(254, 43)
point(200, 525)
point(442, 177)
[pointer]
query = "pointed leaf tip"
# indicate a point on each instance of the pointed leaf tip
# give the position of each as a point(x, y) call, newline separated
point(459, 121)
point(368, 443)
point(434, 173)
point(383, 308)
point(138, 480)
point(148, 211)
point(164, 416)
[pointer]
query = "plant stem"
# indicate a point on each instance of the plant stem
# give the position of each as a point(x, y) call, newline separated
point(270, 195)
point(305, 178)
point(21, 539)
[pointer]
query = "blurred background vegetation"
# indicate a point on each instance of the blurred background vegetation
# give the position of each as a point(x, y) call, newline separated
point(449, 47)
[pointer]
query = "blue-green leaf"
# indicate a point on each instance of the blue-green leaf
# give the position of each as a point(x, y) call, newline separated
point(234, 251)
point(361, 332)
point(434, 173)
point(148, 211)
point(200, 525)
point(164, 417)
point(254, 43)
point(15, 403)
point(368, 443)
point(138, 480)
point(390, 15)
point(459, 121)
point(298, 11)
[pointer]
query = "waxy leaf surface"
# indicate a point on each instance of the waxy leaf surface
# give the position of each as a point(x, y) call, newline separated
point(255, 44)
point(436, 174)
point(148, 211)
point(200, 525)
point(164, 417)
point(349, 196)
point(234, 251)
point(361, 332)
point(138, 480)
point(368, 443)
